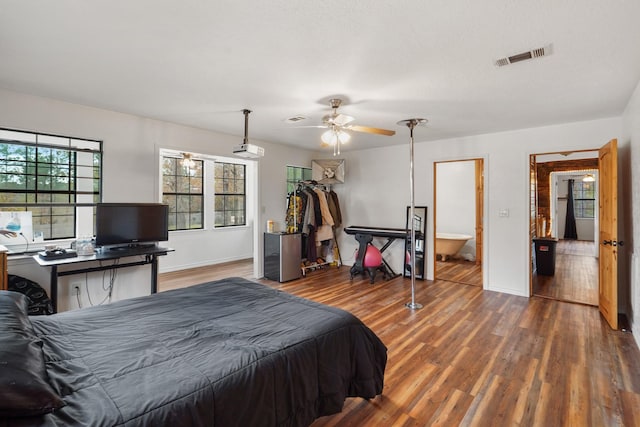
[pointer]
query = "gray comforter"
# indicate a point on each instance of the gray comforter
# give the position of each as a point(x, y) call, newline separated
point(224, 353)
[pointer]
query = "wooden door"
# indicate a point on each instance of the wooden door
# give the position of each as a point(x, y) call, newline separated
point(608, 210)
point(479, 169)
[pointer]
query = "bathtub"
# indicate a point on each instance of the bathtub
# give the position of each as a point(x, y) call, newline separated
point(448, 244)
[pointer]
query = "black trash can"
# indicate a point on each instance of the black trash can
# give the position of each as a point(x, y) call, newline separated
point(545, 255)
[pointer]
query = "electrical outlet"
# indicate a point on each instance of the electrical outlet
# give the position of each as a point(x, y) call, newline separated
point(76, 289)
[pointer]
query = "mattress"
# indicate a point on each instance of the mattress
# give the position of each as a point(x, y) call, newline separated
point(225, 353)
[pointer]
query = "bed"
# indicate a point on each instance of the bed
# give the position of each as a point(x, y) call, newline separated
point(225, 353)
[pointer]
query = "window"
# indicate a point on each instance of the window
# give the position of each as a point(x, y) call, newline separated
point(211, 192)
point(230, 194)
point(296, 174)
point(56, 178)
point(182, 190)
point(584, 198)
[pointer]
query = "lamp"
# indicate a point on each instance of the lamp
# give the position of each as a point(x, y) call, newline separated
point(411, 123)
point(334, 137)
point(589, 178)
point(187, 160)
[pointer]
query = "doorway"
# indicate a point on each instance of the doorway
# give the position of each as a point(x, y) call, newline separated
point(458, 221)
point(565, 209)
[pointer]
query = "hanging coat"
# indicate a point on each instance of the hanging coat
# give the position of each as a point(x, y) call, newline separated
point(334, 208)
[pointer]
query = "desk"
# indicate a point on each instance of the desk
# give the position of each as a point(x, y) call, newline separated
point(150, 253)
point(365, 235)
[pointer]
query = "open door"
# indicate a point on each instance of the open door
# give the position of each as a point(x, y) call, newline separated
point(608, 243)
point(479, 208)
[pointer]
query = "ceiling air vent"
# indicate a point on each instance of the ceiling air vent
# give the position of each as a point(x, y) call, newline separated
point(524, 56)
point(295, 119)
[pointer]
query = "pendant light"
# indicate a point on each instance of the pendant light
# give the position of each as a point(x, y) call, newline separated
point(187, 160)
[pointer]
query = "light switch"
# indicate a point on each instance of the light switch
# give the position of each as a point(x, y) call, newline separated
point(504, 213)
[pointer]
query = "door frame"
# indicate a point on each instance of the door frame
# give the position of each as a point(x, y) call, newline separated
point(480, 164)
point(533, 205)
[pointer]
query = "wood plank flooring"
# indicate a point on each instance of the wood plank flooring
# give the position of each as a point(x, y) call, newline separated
point(576, 274)
point(475, 358)
point(459, 271)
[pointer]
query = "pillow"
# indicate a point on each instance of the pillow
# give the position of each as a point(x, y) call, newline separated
point(24, 389)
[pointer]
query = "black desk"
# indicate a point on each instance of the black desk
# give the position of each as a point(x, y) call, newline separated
point(150, 253)
point(365, 235)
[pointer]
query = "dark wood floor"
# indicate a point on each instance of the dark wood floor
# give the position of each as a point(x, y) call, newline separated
point(459, 271)
point(576, 274)
point(474, 357)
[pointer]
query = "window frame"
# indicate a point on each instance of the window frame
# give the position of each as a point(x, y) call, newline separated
point(192, 211)
point(298, 173)
point(81, 176)
point(226, 196)
point(580, 201)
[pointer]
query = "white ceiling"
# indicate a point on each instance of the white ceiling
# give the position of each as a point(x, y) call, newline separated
point(200, 63)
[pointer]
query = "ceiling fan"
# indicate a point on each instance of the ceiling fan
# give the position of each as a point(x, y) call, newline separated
point(337, 124)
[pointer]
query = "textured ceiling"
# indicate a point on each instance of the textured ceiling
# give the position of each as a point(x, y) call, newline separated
point(200, 63)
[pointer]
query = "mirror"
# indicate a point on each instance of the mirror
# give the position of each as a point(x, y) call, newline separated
point(420, 227)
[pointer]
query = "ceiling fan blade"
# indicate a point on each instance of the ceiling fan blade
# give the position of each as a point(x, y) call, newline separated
point(337, 119)
point(343, 119)
point(369, 129)
point(309, 126)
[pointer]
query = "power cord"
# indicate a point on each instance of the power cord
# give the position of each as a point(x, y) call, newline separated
point(78, 297)
point(26, 240)
point(107, 288)
point(113, 274)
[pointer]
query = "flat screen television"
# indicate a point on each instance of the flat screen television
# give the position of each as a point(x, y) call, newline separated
point(131, 224)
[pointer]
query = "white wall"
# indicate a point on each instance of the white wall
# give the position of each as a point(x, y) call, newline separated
point(376, 190)
point(631, 194)
point(132, 173)
point(456, 201)
point(375, 193)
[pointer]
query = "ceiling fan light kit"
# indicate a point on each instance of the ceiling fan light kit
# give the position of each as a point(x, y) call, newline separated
point(335, 137)
point(338, 126)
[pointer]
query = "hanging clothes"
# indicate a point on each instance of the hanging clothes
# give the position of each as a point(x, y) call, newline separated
point(295, 212)
point(309, 212)
point(334, 208)
point(317, 212)
point(314, 213)
point(324, 207)
point(311, 251)
point(324, 231)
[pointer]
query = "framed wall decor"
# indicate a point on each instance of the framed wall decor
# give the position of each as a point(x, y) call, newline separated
point(328, 171)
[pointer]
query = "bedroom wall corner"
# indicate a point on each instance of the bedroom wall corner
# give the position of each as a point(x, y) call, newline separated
point(631, 119)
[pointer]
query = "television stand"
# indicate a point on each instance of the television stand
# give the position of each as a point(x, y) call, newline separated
point(133, 247)
point(150, 253)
